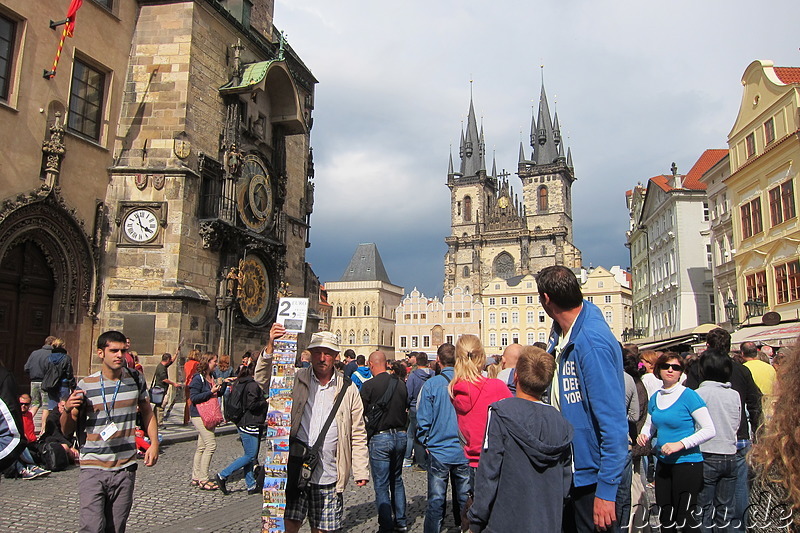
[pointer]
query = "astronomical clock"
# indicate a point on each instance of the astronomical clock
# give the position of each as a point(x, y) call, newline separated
point(255, 195)
point(254, 294)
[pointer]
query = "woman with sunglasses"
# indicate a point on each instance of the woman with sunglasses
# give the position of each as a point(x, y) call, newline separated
point(679, 420)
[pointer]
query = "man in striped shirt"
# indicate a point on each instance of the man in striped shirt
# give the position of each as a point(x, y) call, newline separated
point(104, 405)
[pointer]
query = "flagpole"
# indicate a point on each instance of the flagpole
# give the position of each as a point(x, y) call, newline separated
point(50, 74)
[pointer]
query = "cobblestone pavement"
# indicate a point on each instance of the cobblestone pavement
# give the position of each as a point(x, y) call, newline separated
point(164, 501)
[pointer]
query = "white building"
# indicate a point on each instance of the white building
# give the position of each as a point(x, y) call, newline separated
point(672, 235)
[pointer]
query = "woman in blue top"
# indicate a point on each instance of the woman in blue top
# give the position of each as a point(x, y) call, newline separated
point(680, 421)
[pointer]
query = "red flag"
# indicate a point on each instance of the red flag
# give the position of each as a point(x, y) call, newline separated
point(74, 6)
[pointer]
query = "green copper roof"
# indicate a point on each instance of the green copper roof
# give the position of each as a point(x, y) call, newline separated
point(253, 74)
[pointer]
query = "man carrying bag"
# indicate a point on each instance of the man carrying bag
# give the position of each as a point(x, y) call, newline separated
point(344, 445)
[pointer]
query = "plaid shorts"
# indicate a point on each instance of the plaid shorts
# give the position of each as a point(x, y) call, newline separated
point(323, 505)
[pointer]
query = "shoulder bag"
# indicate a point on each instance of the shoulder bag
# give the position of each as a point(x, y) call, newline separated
point(156, 393)
point(210, 411)
point(303, 460)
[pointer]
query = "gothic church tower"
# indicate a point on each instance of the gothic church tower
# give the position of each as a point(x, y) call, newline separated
point(494, 233)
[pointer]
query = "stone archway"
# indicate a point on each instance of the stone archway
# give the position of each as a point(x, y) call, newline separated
point(48, 272)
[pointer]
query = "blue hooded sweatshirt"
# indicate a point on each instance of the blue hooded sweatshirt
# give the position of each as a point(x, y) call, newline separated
point(360, 376)
point(592, 399)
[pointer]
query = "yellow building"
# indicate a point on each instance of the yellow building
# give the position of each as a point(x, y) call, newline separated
point(764, 147)
point(425, 323)
point(512, 313)
point(611, 292)
point(363, 304)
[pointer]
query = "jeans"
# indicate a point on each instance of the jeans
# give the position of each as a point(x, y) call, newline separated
point(623, 506)
point(420, 456)
point(741, 499)
point(246, 461)
point(438, 473)
point(386, 451)
point(719, 486)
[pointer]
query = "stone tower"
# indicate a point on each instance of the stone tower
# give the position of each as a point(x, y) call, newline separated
point(494, 233)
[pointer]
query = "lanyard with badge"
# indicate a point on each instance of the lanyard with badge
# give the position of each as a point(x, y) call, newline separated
point(111, 428)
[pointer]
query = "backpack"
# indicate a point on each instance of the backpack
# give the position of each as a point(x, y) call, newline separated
point(52, 376)
point(54, 457)
point(234, 403)
point(373, 415)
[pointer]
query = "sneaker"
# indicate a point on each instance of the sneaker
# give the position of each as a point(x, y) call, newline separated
point(221, 483)
point(407, 463)
point(39, 471)
point(418, 468)
point(253, 490)
point(29, 473)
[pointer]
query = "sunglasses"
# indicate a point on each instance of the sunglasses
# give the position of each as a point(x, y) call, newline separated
point(667, 366)
point(25, 403)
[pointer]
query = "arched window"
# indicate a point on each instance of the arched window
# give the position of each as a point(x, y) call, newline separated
point(467, 209)
point(391, 338)
point(367, 310)
point(339, 310)
point(382, 338)
point(466, 271)
point(543, 203)
point(352, 310)
point(504, 266)
point(339, 336)
point(365, 337)
point(351, 337)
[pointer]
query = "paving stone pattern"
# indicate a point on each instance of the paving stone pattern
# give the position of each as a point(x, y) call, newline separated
point(164, 501)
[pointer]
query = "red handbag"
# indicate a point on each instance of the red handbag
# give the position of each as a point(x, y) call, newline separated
point(210, 412)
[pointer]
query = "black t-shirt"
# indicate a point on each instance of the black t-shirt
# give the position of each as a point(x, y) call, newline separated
point(160, 376)
point(372, 391)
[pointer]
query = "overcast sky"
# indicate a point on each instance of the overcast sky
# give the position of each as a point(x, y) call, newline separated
point(637, 85)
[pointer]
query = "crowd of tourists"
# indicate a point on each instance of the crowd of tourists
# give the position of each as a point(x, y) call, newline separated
point(580, 434)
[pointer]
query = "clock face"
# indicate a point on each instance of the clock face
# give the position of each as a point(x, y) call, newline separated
point(255, 195)
point(254, 290)
point(502, 202)
point(140, 225)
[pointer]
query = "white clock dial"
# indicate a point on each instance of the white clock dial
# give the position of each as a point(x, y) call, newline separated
point(140, 225)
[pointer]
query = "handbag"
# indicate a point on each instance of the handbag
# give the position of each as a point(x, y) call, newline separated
point(156, 393)
point(303, 460)
point(210, 412)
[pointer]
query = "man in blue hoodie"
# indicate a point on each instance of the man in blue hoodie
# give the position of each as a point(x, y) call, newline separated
point(362, 373)
point(589, 390)
point(437, 431)
point(414, 384)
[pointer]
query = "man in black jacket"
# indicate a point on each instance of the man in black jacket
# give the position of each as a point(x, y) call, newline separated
point(719, 341)
point(388, 445)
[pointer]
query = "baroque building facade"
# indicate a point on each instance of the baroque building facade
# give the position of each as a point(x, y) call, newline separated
point(494, 232)
point(363, 304)
point(764, 142)
point(173, 197)
point(423, 323)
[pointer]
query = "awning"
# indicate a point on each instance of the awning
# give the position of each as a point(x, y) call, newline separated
point(778, 335)
point(665, 343)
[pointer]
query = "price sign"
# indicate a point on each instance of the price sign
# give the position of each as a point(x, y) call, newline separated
point(292, 314)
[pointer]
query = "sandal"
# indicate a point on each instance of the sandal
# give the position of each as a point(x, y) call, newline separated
point(208, 485)
point(194, 483)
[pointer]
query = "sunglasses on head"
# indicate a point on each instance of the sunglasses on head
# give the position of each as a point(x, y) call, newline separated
point(667, 366)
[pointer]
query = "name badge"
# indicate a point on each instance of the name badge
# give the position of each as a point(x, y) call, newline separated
point(108, 431)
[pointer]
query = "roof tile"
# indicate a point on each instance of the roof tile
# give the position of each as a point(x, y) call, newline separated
point(788, 74)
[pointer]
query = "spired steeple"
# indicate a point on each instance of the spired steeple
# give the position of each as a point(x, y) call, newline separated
point(472, 146)
point(543, 137)
point(450, 165)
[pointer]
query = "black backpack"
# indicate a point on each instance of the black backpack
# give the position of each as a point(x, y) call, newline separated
point(53, 375)
point(234, 408)
point(54, 457)
point(373, 415)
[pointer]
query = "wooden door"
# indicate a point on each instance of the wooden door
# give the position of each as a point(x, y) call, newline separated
point(26, 307)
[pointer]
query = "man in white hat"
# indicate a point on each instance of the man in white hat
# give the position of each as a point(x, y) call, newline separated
point(345, 444)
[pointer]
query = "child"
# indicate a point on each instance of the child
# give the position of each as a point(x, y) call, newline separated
point(524, 472)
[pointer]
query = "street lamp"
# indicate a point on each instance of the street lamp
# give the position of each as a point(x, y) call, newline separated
point(754, 307)
point(732, 312)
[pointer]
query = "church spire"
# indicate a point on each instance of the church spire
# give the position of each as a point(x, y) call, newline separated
point(521, 152)
point(450, 166)
point(569, 158)
point(472, 145)
point(545, 150)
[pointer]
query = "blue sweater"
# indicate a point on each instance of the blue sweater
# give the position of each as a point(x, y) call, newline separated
point(675, 423)
point(592, 399)
point(437, 426)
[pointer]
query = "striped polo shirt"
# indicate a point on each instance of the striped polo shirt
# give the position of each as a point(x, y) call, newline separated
point(118, 451)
